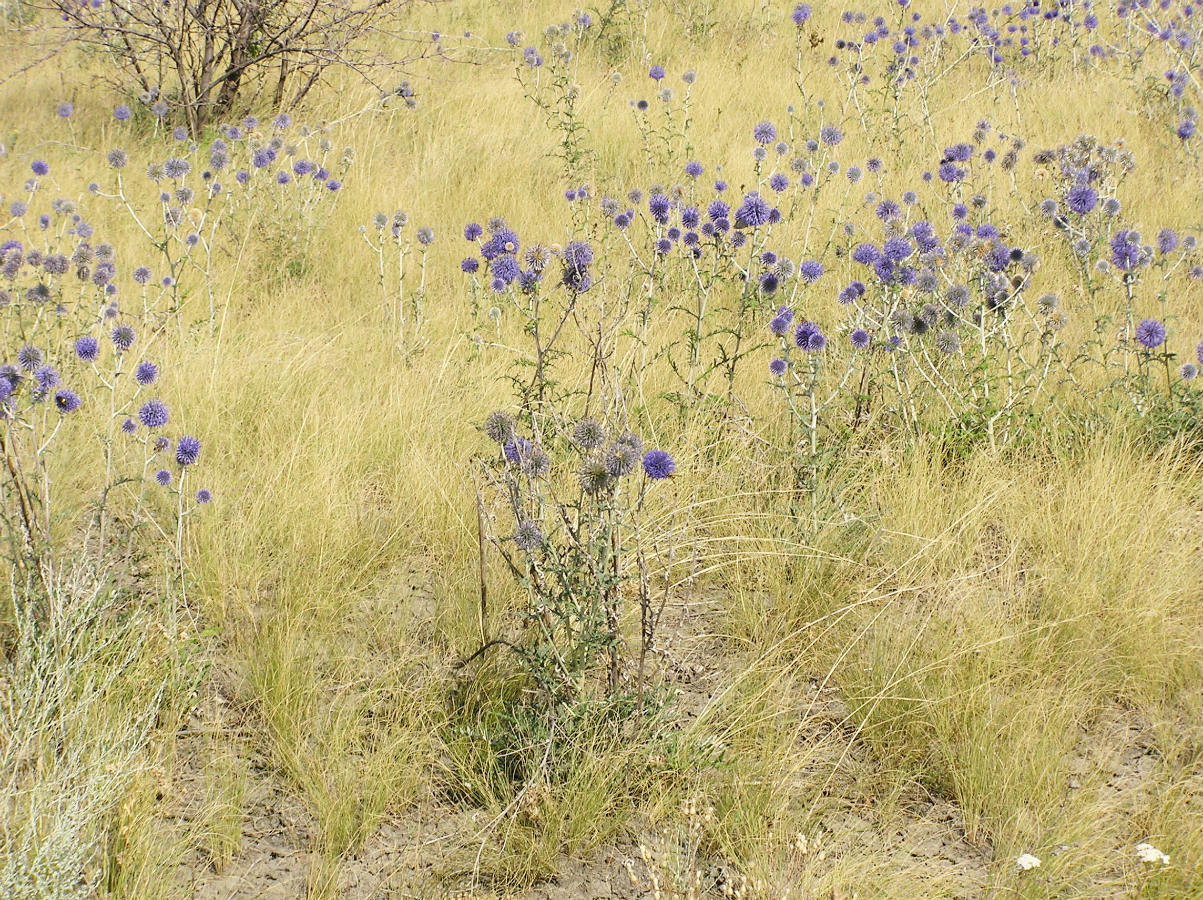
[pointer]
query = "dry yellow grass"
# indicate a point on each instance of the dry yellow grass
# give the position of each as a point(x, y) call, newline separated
point(1010, 639)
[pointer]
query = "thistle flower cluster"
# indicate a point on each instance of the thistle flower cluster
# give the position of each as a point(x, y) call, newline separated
point(79, 370)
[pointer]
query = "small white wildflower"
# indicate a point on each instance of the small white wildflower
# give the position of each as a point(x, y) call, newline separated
point(1028, 861)
point(1150, 854)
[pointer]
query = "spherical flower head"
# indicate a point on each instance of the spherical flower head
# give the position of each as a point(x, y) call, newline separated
point(764, 133)
point(1199, 353)
point(469, 265)
point(87, 348)
point(46, 377)
point(29, 357)
point(535, 462)
point(122, 113)
point(859, 339)
point(1188, 371)
point(947, 342)
point(528, 537)
point(472, 231)
point(589, 433)
point(499, 427)
point(153, 414)
point(754, 211)
point(621, 458)
point(516, 448)
point(779, 325)
point(66, 401)
point(40, 167)
point(505, 267)
point(810, 271)
point(595, 475)
point(693, 169)
point(777, 367)
point(176, 168)
point(203, 496)
point(779, 182)
point(659, 206)
point(187, 450)
point(123, 338)
point(129, 426)
point(1081, 198)
point(866, 254)
point(146, 373)
point(657, 464)
point(815, 342)
point(1125, 252)
point(425, 235)
point(1150, 333)
point(801, 14)
point(163, 477)
point(896, 249)
point(656, 73)
point(830, 135)
point(1167, 241)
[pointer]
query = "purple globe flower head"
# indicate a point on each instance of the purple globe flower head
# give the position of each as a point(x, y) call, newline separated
point(187, 450)
point(505, 267)
point(656, 73)
point(498, 285)
point(801, 14)
point(87, 348)
point(163, 477)
point(1199, 353)
point(203, 496)
point(472, 231)
point(717, 210)
point(830, 135)
point(1081, 198)
point(779, 182)
point(859, 339)
point(159, 108)
point(470, 265)
point(949, 172)
point(769, 283)
point(693, 169)
point(764, 133)
point(1186, 129)
point(690, 217)
point(46, 377)
point(888, 209)
point(129, 426)
point(658, 464)
point(123, 338)
point(1125, 252)
point(897, 249)
point(810, 271)
point(659, 206)
point(40, 167)
point(754, 211)
point(777, 367)
point(153, 414)
point(146, 373)
point(122, 113)
point(66, 401)
point(866, 254)
point(1167, 241)
point(1150, 333)
point(162, 444)
point(29, 357)
point(516, 449)
point(803, 332)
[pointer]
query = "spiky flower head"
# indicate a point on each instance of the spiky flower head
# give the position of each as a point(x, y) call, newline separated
point(66, 401)
point(499, 426)
point(535, 462)
point(1150, 333)
point(123, 338)
point(203, 496)
point(153, 414)
point(528, 536)
point(146, 373)
point(595, 475)
point(948, 342)
point(187, 450)
point(589, 433)
point(163, 477)
point(658, 464)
